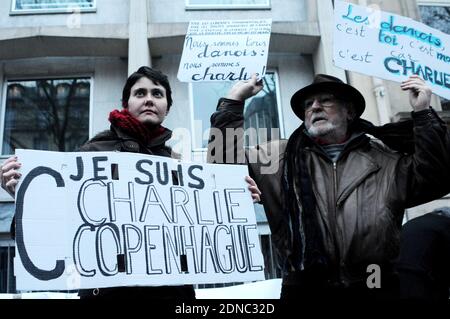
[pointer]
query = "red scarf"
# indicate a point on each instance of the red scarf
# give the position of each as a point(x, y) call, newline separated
point(131, 126)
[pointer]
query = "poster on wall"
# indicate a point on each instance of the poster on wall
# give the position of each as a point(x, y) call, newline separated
point(106, 219)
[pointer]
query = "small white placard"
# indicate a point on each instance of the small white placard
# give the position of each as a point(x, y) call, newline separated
point(225, 50)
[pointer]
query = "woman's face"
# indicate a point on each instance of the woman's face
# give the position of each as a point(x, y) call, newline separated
point(148, 102)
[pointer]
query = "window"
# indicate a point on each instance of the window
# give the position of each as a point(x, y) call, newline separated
point(47, 114)
point(261, 112)
point(438, 17)
point(49, 6)
point(271, 260)
point(228, 4)
point(7, 278)
point(6, 216)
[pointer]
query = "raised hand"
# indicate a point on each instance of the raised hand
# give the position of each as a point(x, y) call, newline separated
point(242, 90)
point(419, 92)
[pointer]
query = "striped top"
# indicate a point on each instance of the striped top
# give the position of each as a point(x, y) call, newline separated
point(333, 150)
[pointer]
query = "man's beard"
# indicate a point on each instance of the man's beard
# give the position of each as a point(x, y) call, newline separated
point(322, 130)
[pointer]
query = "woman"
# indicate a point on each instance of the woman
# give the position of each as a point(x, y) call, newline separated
point(137, 128)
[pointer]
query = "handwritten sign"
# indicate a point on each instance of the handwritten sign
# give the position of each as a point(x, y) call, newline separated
point(225, 50)
point(390, 46)
point(105, 219)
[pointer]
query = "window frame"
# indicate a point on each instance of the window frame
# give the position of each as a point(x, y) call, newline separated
point(9, 244)
point(9, 79)
point(67, 10)
point(266, 6)
point(281, 127)
point(433, 3)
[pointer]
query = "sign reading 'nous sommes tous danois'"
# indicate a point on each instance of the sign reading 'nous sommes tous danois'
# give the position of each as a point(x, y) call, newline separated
point(105, 219)
point(225, 50)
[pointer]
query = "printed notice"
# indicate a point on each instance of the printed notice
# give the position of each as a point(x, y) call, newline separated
point(107, 219)
point(226, 50)
point(390, 46)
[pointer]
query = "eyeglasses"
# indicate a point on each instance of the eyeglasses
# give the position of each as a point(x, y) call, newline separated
point(325, 100)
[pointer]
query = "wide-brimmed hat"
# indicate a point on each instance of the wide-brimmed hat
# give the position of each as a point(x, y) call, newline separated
point(327, 84)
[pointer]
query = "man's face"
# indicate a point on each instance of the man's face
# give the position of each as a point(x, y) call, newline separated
point(325, 115)
point(148, 102)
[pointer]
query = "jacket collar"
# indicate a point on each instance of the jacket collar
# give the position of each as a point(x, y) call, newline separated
point(156, 142)
point(357, 139)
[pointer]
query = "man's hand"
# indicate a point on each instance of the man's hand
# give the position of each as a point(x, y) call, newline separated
point(9, 174)
point(419, 92)
point(256, 193)
point(242, 90)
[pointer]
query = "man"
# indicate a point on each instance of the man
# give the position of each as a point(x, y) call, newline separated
point(424, 261)
point(336, 202)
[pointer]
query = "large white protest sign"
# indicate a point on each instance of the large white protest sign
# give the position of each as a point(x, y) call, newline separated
point(105, 219)
point(225, 50)
point(390, 46)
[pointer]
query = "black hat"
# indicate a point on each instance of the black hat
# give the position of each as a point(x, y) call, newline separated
point(327, 83)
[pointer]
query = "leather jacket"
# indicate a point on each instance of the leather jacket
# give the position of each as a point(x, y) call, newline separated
point(360, 199)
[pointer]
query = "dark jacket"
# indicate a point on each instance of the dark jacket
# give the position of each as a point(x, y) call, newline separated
point(116, 140)
point(424, 260)
point(360, 200)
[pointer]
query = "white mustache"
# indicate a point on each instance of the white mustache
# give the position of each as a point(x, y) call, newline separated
point(318, 117)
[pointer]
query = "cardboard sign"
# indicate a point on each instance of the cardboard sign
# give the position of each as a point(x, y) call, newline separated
point(105, 219)
point(390, 46)
point(225, 50)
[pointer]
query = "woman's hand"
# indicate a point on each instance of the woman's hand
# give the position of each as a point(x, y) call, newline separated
point(10, 175)
point(254, 190)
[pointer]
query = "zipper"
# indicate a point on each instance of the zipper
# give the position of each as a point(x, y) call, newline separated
point(335, 194)
point(335, 231)
point(335, 182)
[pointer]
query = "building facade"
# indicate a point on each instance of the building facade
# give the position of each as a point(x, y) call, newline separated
point(63, 65)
